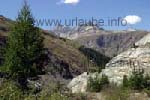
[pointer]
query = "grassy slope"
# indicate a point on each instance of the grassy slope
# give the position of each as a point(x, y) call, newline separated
point(67, 51)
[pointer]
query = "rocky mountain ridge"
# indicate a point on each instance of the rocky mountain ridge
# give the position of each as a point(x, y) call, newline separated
point(106, 42)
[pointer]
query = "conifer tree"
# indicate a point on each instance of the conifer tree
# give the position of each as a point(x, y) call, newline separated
point(24, 46)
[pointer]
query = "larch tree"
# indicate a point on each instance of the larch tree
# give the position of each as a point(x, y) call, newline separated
point(24, 46)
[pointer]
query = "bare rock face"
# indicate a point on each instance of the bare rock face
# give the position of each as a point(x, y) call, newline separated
point(143, 41)
point(135, 59)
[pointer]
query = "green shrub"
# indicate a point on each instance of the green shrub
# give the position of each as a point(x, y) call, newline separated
point(146, 82)
point(104, 80)
point(137, 81)
point(9, 91)
point(125, 81)
point(95, 84)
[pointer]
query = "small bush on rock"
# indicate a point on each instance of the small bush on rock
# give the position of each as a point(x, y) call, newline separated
point(137, 81)
point(95, 84)
point(125, 81)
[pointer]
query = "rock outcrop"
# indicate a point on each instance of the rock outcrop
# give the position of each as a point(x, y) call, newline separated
point(79, 84)
point(134, 59)
point(143, 41)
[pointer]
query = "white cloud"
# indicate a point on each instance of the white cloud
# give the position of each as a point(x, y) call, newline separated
point(132, 19)
point(68, 1)
point(71, 1)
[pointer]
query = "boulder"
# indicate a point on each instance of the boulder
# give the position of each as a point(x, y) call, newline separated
point(79, 84)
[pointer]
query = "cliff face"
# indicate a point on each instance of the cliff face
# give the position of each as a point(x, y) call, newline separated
point(106, 42)
point(113, 43)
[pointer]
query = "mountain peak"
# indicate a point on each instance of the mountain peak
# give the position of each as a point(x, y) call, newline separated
point(75, 32)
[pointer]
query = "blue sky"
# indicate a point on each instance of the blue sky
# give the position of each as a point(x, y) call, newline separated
point(85, 9)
